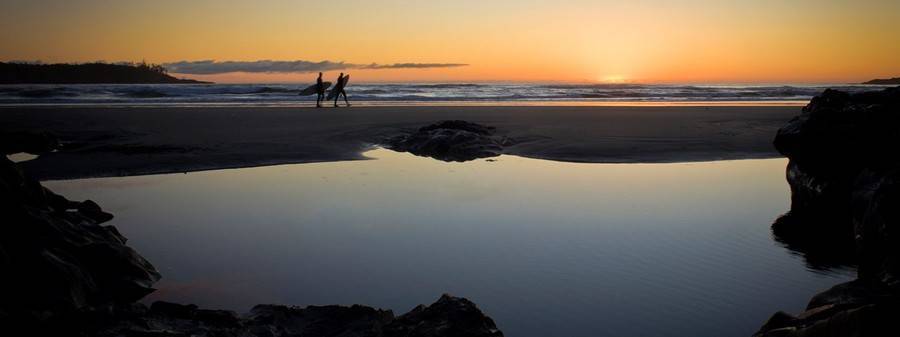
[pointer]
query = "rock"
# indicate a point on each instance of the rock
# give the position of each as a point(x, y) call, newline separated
point(449, 316)
point(844, 173)
point(57, 256)
point(453, 140)
point(876, 222)
point(27, 142)
point(173, 310)
point(851, 293)
point(780, 322)
point(874, 319)
point(331, 320)
point(836, 138)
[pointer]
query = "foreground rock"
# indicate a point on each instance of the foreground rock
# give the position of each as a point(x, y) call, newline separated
point(64, 274)
point(844, 173)
point(55, 256)
point(449, 316)
point(451, 141)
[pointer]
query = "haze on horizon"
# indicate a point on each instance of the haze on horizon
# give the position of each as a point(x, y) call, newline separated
point(466, 40)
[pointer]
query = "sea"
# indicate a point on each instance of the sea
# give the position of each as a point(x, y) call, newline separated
point(417, 94)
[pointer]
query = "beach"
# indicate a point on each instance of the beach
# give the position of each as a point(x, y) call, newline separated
point(121, 141)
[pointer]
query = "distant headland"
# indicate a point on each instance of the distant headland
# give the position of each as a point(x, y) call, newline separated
point(894, 80)
point(87, 73)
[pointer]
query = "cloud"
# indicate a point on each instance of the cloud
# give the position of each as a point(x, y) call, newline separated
point(411, 65)
point(209, 67)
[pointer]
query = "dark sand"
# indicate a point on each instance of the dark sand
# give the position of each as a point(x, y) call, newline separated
point(113, 141)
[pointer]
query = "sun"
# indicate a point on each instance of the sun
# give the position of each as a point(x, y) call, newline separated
point(613, 79)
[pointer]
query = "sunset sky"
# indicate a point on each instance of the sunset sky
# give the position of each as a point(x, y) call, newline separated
point(500, 40)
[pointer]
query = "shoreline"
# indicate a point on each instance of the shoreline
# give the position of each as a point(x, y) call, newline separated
point(396, 103)
point(103, 142)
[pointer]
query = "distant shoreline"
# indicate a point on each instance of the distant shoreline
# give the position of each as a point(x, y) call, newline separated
point(884, 81)
point(88, 73)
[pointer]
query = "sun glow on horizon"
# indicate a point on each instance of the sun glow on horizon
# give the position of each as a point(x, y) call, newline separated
point(614, 79)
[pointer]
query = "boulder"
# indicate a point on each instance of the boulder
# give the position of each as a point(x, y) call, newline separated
point(844, 174)
point(449, 316)
point(452, 140)
point(837, 138)
point(28, 143)
point(57, 257)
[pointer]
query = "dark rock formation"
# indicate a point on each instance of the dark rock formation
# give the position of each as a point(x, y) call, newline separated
point(844, 173)
point(11, 143)
point(55, 256)
point(64, 274)
point(449, 316)
point(838, 147)
point(451, 141)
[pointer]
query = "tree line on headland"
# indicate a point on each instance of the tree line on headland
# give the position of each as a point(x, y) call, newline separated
point(96, 72)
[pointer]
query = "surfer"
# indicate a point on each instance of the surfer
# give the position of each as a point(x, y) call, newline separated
point(339, 89)
point(320, 91)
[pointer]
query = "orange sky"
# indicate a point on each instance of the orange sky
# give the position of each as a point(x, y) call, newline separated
point(501, 40)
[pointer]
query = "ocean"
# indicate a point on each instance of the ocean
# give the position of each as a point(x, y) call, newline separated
point(414, 93)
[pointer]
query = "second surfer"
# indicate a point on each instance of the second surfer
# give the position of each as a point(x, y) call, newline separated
point(339, 89)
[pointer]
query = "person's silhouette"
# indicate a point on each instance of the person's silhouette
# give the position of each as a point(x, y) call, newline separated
point(320, 91)
point(339, 89)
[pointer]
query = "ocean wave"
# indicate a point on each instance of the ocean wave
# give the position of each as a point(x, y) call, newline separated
point(595, 86)
point(45, 93)
point(145, 93)
point(271, 90)
point(425, 92)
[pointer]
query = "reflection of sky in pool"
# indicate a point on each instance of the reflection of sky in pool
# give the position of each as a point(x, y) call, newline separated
point(545, 248)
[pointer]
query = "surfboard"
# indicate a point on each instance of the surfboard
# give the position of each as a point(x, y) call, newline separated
point(338, 87)
point(312, 89)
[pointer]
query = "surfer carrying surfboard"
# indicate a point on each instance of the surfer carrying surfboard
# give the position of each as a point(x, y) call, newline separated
point(320, 91)
point(338, 90)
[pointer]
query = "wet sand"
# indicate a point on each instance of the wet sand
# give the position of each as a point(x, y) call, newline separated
point(116, 141)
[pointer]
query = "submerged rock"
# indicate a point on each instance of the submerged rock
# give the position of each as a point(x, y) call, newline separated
point(844, 173)
point(453, 140)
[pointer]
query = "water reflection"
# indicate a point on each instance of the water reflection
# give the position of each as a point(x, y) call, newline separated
point(826, 245)
point(545, 248)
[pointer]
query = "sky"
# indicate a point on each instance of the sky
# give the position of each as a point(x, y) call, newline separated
point(723, 41)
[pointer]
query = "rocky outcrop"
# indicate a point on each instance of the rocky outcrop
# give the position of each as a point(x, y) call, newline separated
point(65, 274)
point(55, 255)
point(453, 140)
point(841, 148)
point(449, 316)
point(844, 152)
